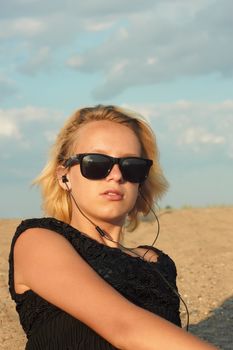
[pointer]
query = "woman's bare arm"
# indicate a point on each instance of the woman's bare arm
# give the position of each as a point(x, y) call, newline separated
point(48, 264)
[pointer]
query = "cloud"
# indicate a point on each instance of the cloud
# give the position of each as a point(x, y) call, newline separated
point(27, 126)
point(21, 27)
point(192, 128)
point(8, 129)
point(152, 42)
point(59, 23)
point(201, 136)
point(90, 8)
point(163, 44)
point(184, 129)
point(29, 113)
point(194, 138)
point(98, 26)
point(25, 137)
point(38, 61)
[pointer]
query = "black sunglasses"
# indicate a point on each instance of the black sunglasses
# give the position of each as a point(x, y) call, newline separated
point(95, 166)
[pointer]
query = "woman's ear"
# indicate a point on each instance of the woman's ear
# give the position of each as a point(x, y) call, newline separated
point(63, 177)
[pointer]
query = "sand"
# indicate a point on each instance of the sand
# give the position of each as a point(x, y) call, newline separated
point(201, 243)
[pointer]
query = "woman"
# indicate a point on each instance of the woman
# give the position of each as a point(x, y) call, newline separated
point(74, 285)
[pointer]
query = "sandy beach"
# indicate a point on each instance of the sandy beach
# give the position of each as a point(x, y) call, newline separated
point(200, 240)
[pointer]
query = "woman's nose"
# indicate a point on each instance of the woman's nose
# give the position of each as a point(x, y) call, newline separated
point(115, 174)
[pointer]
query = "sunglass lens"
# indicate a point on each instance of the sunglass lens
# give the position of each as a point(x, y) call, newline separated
point(95, 166)
point(135, 169)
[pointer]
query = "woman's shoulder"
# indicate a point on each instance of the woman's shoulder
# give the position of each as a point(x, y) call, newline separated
point(43, 222)
point(39, 225)
point(34, 237)
point(48, 223)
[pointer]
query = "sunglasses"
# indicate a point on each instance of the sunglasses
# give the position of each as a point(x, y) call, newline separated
point(95, 166)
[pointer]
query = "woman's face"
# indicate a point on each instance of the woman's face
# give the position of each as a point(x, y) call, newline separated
point(110, 199)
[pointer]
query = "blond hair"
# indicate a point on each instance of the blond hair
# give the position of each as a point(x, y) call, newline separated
point(56, 201)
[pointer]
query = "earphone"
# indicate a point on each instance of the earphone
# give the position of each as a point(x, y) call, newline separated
point(108, 237)
point(64, 179)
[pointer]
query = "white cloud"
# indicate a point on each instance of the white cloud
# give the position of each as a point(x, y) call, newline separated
point(119, 68)
point(75, 61)
point(123, 33)
point(98, 26)
point(151, 60)
point(201, 136)
point(192, 126)
point(162, 40)
point(50, 135)
point(27, 125)
point(29, 114)
point(183, 125)
point(190, 135)
point(165, 45)
point(90, 8)
point(21, 27)
point(38, 61)
point(8, 128)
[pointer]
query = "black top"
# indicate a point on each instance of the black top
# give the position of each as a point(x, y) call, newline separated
point(48, 327)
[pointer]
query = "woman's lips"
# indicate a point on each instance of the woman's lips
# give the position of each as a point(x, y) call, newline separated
point(112, 195)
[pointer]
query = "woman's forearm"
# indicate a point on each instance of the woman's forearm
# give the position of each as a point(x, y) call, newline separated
point(150, 332)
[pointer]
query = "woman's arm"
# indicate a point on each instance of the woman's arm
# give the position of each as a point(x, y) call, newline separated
point(48, 264)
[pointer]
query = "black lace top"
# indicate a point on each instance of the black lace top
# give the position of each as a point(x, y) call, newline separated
point(48, 327)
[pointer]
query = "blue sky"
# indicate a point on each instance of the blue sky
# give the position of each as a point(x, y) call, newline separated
point(170, 60)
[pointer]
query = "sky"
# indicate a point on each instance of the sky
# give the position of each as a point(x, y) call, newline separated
point(169, 60)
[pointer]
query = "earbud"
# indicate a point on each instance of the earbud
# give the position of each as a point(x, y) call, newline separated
point(64, 179)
